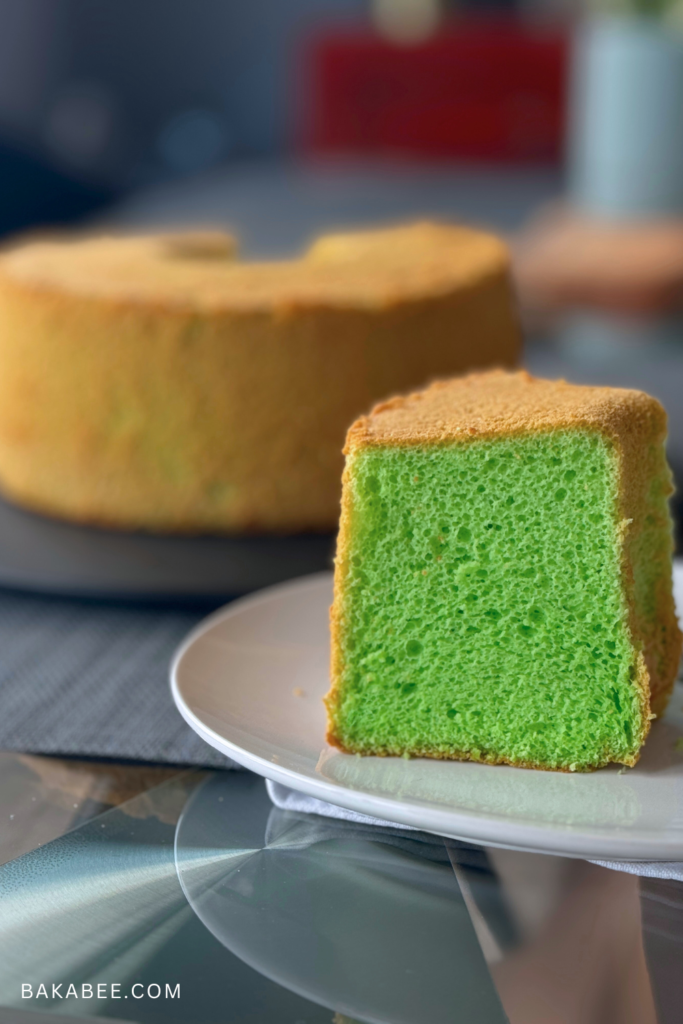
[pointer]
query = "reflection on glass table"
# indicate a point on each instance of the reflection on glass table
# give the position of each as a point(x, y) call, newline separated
point(197, 900)
point(41, 798)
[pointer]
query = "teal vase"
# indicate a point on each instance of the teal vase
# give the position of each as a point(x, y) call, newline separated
point(625, 146)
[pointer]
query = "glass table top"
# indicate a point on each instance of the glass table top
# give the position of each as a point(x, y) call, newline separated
point(145, 894)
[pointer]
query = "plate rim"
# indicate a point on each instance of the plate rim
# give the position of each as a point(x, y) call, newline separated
point(482, 829)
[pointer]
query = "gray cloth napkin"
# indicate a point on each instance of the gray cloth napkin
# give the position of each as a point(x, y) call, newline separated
point(290, 800)
point(81, 678)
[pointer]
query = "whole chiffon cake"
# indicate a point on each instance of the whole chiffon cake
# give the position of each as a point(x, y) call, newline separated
point(159, 383)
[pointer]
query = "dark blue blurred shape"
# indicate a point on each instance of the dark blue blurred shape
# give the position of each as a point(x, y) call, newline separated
point(35, 194)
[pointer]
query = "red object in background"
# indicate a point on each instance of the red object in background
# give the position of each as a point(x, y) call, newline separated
point(485, 91)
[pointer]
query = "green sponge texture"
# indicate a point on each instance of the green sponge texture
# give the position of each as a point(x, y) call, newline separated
point(483, 612)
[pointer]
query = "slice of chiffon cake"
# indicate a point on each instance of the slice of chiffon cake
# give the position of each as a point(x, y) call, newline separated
point(503, 581)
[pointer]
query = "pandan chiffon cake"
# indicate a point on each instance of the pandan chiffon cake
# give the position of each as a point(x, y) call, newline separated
point(503, 588)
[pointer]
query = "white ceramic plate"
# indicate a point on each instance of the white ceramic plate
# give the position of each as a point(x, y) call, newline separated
point(238, 679)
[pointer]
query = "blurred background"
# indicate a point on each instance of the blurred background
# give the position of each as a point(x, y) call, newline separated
point(557, 123)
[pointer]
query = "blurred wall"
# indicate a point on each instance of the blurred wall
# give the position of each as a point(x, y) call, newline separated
point(32, 51)
point(98, 97)
point(117, 92)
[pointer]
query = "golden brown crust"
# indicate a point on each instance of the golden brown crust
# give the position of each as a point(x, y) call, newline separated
point(198, 270)
point(498, 404)
point(644, 487)
point(155, 383)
